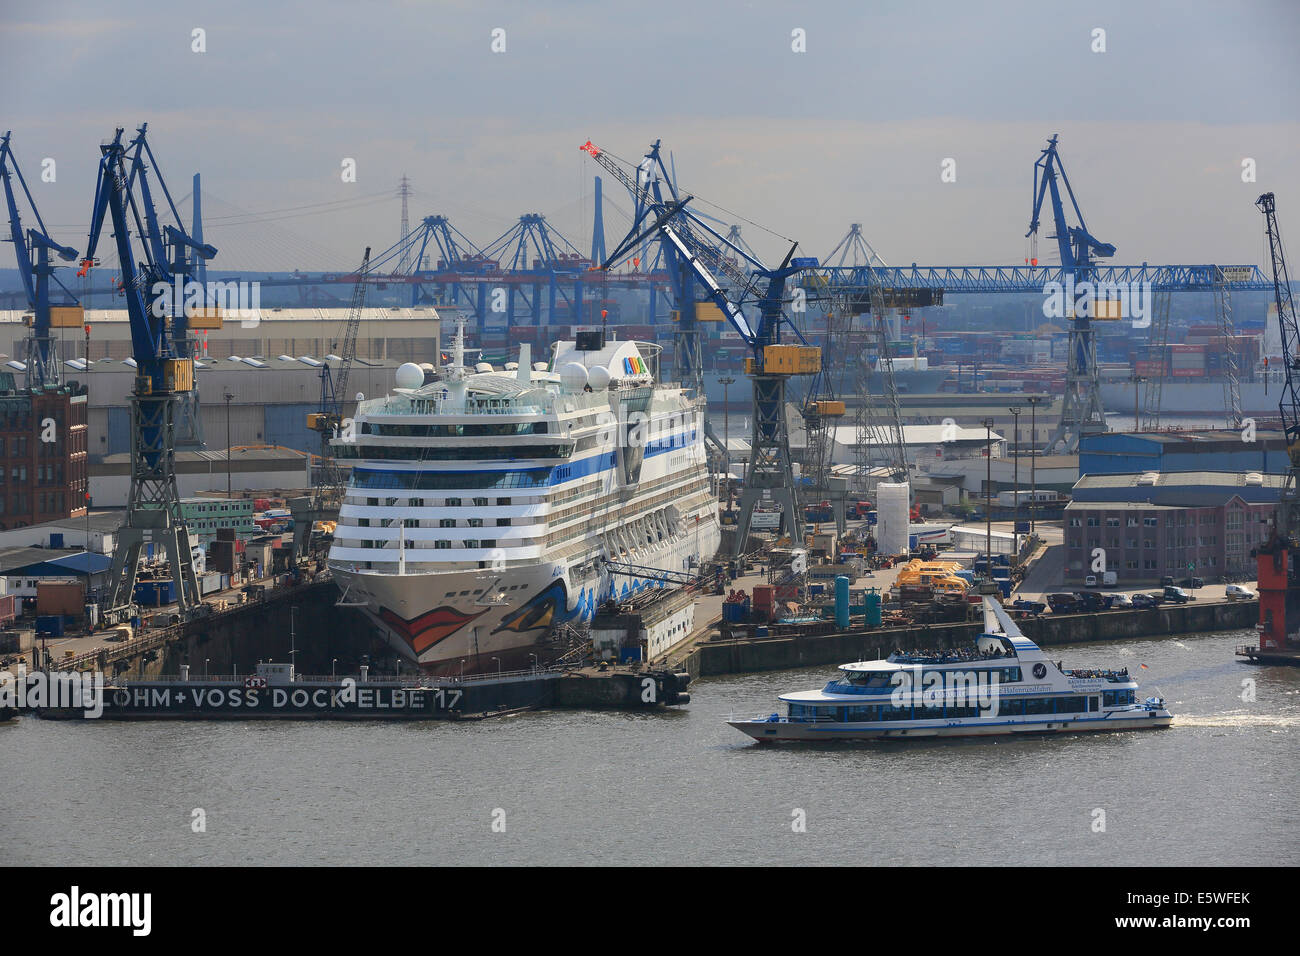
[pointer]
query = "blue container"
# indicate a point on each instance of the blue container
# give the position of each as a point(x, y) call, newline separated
point(56, 539)
point(874, 610)
point(1004, 587)
point(842, 602)
point(816, 589)
point(51, 624)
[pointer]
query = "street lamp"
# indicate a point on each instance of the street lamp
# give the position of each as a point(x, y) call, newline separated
point(205, 666)
point(332, 663)
point(724, 381)
point(533, 659)
point(498, 660)
point(1034, 401)
point(988, 500)
point(229, 398)
point(1015, 452)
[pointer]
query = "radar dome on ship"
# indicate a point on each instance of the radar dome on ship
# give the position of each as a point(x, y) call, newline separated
point(598, 377)
point(573, 376)
point(483, 367)
point(409, 375)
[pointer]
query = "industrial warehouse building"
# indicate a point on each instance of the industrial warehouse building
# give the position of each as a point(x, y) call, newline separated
point(1152, 524)
point(258, 362)
point(1119, 453)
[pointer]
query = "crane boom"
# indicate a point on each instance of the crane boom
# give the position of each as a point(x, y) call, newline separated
point(349, 353)
point(1289, 405)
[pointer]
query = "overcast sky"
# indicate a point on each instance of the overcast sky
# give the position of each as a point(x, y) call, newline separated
point(1153, 131)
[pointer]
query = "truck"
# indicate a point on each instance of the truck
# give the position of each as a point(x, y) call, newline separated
point(1063, 603)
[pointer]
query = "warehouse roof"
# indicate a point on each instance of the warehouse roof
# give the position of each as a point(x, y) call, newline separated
point(921, 434)
point(1181, 479)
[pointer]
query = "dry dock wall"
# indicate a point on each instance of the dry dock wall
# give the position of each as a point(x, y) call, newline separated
point(235, 640)
point(781, 653)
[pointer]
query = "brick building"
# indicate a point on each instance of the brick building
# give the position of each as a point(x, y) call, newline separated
point(1151, 525)
point(43, 462)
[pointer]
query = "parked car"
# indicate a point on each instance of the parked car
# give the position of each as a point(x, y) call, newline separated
point(1090, 581)
point(1192, 583)
point(1144, 601)
point(1167, 581)
point(1235, 592)
point(1120, 600)
point(1176, 595)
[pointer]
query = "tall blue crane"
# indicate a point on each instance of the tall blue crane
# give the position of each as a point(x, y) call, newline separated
point(32, 249)
point(769, 474)
point(164, 373)
point(1081, 411)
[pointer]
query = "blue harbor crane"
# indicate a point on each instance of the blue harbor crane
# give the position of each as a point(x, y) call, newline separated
point(1081, 412)
point(769, 473)
point(32, 249)
point(164, 369)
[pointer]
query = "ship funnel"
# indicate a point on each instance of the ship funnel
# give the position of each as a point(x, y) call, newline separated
point(525, 363)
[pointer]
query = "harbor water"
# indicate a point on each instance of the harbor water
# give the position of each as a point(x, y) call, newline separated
point(675, 786)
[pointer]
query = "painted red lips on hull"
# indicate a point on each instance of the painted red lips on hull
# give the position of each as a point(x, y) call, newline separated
point(429, 628)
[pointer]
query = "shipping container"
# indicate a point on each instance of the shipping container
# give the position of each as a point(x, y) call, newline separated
point(67, 598)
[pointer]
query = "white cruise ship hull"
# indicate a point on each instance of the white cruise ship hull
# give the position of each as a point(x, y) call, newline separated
point(764, 730)
point(435, 620)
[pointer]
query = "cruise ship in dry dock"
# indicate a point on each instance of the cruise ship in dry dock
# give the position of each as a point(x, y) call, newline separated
point(484, 504)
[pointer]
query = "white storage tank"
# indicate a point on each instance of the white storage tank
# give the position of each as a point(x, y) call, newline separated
point(892, 523)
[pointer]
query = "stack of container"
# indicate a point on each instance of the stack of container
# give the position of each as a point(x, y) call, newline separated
point(735, 609)
point(764, 602)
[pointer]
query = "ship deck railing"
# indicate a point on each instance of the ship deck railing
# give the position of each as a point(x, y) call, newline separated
point(1247, 650)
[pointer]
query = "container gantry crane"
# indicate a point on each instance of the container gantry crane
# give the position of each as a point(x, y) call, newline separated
point(164, 377)
point(769, 473)
point(32, 250)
